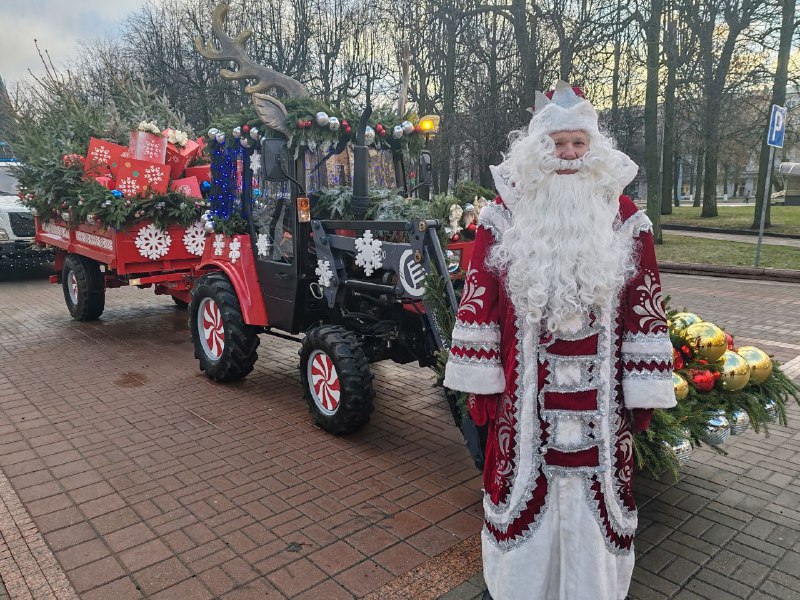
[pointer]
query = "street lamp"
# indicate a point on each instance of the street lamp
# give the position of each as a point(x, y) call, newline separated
point(429, 125)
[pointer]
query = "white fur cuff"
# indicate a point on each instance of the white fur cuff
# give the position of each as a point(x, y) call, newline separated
point(648, 393)
point(485, 379)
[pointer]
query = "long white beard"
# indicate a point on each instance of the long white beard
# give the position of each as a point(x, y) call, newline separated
point(563, 254)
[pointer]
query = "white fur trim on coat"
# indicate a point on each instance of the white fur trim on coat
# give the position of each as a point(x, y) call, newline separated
point(474, 379)
point(648, 393)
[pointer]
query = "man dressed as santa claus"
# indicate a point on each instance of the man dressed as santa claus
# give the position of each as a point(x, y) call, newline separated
point(561, 340)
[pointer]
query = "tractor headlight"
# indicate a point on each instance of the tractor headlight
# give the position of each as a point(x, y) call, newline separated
point(3, 235)
point(453, 260)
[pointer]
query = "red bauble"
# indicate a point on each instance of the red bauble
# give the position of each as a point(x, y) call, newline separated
point(345, 123)
point(455, 238)
point(347, 129)
point(687, 352)
point(729, 340)
point(246, 128)
point(379, 129)
point(677, 360)
point(703, 380)
point(301, 123)
point(417, 128)
point(308, 123)
point(107, 182)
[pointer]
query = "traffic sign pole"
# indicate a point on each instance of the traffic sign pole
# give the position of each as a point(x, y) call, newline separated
point(775, 132)
point(764, 202)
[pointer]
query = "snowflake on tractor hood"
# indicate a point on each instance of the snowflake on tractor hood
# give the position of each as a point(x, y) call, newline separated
point(219, 244)
point(368, 253)
point(263, 244)
point(324, 273)
point(194, 240)
point(234, 250)
point(152, 242)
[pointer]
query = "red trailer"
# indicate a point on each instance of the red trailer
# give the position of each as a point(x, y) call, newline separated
point(90, 259)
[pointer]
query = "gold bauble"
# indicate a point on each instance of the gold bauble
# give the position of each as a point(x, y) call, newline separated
point(759, 361)
point(734, 372)
point(681, 386)
point(678, 324)
point(706, 340)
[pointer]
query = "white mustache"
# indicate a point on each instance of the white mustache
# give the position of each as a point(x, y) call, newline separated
point(551, 164)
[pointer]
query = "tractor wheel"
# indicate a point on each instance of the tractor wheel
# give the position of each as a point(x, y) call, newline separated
point(84, 287)
point(223, 342)
point(336, 379)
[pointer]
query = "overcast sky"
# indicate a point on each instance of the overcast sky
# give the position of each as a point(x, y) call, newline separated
point(59, 25)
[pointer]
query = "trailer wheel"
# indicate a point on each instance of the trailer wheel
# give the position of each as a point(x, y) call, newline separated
point(223, 342)
point(336, 379)
point(84, 287)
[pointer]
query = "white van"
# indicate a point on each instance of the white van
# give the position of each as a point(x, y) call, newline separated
point(16, 221)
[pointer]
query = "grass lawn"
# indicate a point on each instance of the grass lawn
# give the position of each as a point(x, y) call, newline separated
point(685, 249)
point(785, 219)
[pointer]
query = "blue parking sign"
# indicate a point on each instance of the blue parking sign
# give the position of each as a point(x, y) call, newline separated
point(777, 126)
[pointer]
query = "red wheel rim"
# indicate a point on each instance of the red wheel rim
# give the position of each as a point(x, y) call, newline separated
point(72, 285)
point(211, 329)
point(323, 382)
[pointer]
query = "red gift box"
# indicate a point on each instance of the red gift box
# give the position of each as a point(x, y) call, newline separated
point(180, 156)
point(148, 146)
point(188, 186)
point(202, 172)
point(135, 177)
point(103, 157)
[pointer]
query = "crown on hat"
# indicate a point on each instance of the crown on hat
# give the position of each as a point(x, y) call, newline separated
point(563, 109)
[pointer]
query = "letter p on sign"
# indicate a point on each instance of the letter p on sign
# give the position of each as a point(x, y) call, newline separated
point(777, 126)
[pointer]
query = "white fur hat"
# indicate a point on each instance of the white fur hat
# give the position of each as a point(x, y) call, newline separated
point(565, 111)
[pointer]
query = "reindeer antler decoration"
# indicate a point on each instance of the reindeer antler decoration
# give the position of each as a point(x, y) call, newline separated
point(271, 110)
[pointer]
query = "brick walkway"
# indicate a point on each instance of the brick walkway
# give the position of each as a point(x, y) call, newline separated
point(145, 479)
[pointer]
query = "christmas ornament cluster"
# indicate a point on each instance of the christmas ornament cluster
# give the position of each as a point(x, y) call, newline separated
point(156, 176)
point(721, 389)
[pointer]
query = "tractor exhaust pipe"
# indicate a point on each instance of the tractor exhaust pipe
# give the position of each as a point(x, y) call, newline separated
point(361, 167)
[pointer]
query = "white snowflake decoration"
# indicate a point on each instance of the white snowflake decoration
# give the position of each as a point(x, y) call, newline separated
point(263, 244)
point(255, 163)
point(219, 244)
point(152, 242)
point(128, 186)
point(101, 154)
point(233, 253)
point(368, 253)
point(194, 240)
point(153, 175)
point(152, 149)
point(324, 273)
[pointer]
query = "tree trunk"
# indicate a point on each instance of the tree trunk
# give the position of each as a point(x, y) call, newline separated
point(698, 179)
point(448, 104)
point(526, 52)
point(668, 135)
point(779, 98)
point(653, 35)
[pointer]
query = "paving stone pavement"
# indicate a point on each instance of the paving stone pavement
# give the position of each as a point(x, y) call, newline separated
point(145, 479)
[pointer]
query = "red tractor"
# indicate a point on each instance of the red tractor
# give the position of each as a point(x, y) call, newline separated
point(355, 288)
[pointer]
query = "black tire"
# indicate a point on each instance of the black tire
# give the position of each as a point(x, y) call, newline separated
point(238, 341)
point(84, 287)
point(181, 304)
point(334, 346)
